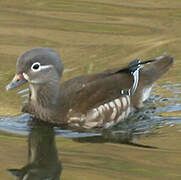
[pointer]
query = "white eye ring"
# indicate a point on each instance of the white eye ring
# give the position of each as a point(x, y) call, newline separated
point(36, 67)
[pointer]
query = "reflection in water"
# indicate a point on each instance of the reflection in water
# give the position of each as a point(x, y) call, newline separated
point(43, 162)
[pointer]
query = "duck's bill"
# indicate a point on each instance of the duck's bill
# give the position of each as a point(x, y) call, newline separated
point(17, 81)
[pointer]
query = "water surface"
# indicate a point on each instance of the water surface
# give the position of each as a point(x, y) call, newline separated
point(92, 36)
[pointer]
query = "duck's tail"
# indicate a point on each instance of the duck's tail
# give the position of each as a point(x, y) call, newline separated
point(148, 74)
point(154, 70)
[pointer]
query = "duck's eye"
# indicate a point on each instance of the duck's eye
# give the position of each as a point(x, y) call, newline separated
point(35, 66)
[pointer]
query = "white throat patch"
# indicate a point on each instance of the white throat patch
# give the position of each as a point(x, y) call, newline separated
point(33, 92)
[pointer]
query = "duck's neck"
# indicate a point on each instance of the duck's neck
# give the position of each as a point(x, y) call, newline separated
point(46, 94)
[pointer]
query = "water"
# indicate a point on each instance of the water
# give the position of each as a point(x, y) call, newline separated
point(91, 37)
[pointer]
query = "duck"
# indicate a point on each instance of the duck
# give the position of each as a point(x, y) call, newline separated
point(90, 101)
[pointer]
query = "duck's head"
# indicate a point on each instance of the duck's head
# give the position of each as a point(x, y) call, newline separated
point(37, 66)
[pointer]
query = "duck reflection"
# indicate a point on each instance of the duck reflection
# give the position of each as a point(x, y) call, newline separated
point(43, 162)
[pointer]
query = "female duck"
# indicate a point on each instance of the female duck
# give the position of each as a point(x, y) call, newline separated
point(90, 101)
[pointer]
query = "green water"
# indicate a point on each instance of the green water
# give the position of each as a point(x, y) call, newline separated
point(92, 36)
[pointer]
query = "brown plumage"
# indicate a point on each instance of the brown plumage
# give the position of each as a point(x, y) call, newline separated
point(89, 101)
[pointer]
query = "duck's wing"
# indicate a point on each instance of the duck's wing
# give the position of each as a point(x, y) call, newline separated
point(85, 92)
point(96, 100)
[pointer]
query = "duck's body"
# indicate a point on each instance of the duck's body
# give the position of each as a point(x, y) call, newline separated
point(85, 101)
point(90, 101)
